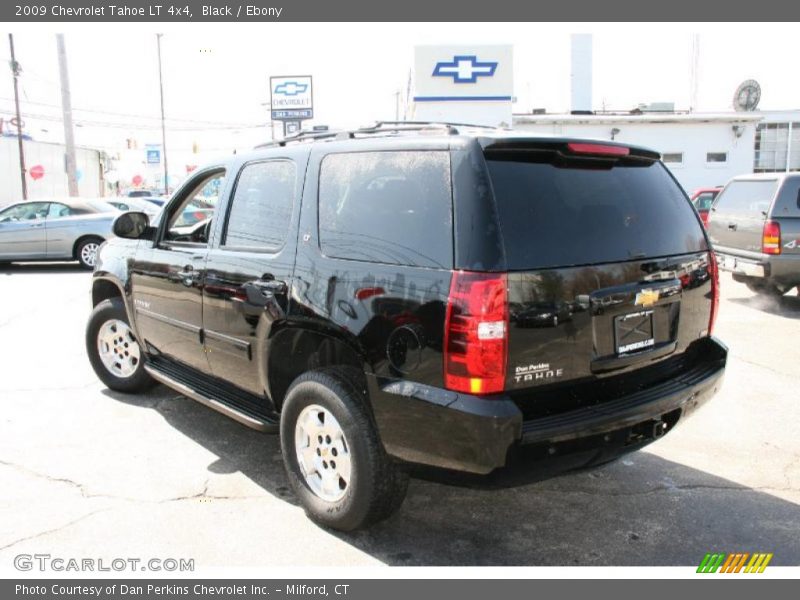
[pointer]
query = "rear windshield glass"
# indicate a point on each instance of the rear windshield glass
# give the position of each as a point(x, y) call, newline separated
point(554, 216)
point(746, 197)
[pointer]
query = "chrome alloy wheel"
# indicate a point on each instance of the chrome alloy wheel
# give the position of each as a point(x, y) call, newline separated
point(322, 453)
point(89, 253)
point(118, 349)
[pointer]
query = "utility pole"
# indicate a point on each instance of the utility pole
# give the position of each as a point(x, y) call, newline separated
point(694, 72)
point(66, 109)
point(15, 70)
point(163, 126)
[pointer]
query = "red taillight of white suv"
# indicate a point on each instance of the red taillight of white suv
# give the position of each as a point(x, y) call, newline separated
point(476, 333)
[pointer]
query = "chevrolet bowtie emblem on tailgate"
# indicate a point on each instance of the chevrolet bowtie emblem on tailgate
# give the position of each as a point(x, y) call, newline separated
point(647, 297)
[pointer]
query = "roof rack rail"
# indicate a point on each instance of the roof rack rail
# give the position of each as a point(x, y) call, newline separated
point(447, 124)
point(377, 127)
point(300, 137)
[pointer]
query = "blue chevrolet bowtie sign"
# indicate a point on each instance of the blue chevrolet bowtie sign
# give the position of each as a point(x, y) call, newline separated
point(465, 69)
point(291, 88)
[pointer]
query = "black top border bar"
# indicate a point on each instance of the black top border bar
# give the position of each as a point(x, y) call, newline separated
point(181, 11)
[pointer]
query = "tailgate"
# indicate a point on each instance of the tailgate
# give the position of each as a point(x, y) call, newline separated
point(573, 323)
point(607, 261)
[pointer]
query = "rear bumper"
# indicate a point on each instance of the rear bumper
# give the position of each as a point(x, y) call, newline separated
point(781, 269)
point(430, 426)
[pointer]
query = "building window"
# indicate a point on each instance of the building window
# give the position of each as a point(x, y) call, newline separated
point(775, 144)
point(716, 158)
point(673, 158)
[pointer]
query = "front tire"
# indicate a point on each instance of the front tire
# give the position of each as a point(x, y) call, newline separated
point(113, 350)
point(333, 456)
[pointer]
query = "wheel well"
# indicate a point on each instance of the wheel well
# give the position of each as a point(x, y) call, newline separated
point(305, 351)
point(82, 239)
point(103, 290)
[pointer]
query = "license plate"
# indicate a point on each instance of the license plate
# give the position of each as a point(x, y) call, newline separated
point(727, 262)
point(633, 332)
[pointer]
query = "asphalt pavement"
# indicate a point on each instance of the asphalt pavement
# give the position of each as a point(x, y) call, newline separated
point(86, 472)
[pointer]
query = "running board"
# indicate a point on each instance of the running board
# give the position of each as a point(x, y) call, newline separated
point(245, 417)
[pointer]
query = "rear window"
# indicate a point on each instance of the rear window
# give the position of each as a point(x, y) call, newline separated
point(576, 214)
point(750, 197)
point(387, 207)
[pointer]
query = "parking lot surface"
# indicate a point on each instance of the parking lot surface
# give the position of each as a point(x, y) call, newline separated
point(86, 472)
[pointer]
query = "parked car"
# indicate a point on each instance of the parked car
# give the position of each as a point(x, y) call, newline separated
point(142, 194)
point(755, 228)
point(702, 199)
point(157, 200)
point(135, 204)
point(62, 229)
point(360, 293)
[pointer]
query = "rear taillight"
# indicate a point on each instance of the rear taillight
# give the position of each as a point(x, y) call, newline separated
point(476, 333)
point(713, 272)
point(704, 217)
point(771, 240)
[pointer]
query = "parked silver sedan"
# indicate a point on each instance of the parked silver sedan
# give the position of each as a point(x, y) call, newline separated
point(63, 229)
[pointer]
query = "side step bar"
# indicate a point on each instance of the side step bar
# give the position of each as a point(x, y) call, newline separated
point(250, 420)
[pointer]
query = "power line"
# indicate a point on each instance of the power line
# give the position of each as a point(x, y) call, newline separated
point(232, 125)
point(139, 127)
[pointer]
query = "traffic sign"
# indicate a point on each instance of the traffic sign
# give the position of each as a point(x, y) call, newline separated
point(36, 172)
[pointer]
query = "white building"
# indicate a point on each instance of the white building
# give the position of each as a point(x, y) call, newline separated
point(701, 149)
point(47, 161)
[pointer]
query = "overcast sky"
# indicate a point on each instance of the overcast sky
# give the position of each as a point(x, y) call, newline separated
point(216, 76)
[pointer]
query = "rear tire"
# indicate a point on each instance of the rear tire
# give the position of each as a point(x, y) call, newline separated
point(114, 352)
point(86, 252)
point(325, 419)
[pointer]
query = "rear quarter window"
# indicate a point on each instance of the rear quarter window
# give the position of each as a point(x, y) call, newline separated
point(565, 214)
point(746, 197)
point(387, 207)
point(788, 202)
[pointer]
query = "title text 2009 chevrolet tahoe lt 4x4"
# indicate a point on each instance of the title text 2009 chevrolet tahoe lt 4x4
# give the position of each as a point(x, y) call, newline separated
point(426, 294)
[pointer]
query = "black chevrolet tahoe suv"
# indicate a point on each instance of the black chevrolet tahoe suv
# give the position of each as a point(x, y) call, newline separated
point(419, 294)
point(754, 224)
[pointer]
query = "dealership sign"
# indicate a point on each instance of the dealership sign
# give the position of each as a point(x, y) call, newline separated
point(468, 84)
point(291, 98)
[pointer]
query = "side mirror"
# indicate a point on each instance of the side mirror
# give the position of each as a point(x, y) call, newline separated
point(130, 225)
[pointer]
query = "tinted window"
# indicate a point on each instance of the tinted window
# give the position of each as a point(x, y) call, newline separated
point(262, 206)
point(748, 197)
point(573, 215)
point(387, 207)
